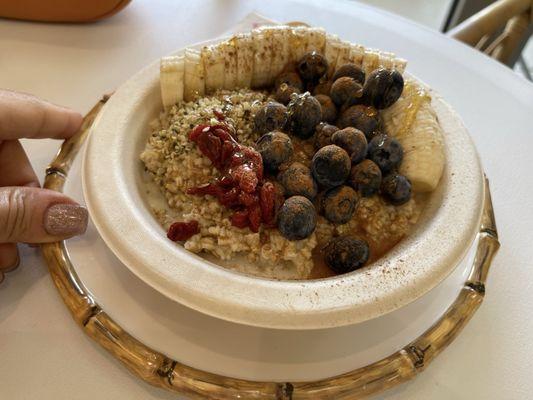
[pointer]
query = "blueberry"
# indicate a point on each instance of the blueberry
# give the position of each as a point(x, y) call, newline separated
point(396, 188)
point(346, 254)
point(365, 177)
point(312, 67)
point(330, 166)
point(351, 70)
point(345, 90)
point(305, 113)
point(323, 134)
point(386, 152)
point(329, 111)
point(353, 141)
point(275, 149)
point(297, 180)
point(339, 204)
point(272, 116)
point(297, 218)
point(383, 87)
point(283, 93)
point(361, 117)
point(290, 79)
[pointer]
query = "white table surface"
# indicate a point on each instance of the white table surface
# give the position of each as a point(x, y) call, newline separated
point(44, 355)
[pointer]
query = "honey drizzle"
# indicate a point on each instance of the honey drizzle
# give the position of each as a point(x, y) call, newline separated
point(415, 95)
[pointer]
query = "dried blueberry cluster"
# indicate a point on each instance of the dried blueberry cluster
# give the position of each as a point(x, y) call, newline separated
point(353, 157)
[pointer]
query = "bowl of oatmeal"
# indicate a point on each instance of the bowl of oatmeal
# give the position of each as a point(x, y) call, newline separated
point(284, 178)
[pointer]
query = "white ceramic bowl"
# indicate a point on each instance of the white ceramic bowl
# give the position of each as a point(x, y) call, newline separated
point(112, 184)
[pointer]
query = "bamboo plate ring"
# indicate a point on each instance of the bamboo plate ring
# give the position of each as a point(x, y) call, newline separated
point(161, 371)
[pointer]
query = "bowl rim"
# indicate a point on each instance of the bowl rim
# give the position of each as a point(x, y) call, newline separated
point(413, 267)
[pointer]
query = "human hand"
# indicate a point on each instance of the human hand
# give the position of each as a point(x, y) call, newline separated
point(29, 214)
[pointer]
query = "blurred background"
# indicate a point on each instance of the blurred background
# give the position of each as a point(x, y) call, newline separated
point(443, 15)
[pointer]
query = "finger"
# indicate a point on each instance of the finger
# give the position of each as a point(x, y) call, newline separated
point(34, 215)
point(9, 257)
point(25, 116)
point(15, 166)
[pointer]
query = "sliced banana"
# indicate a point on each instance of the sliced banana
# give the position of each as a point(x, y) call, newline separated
point(262, 42)
point(343, 56)
point(400, 64)
point(194, 79)
point(386, 59)
point(370, 61)
point(316, 40)
point(414, 123)
point(298, 42)
point(171, 73)
point(255, 60)
point(245, 59)
point(229, 54)
point(331, 53)
point(279, 37)
point(213, 60)
point(357, 54)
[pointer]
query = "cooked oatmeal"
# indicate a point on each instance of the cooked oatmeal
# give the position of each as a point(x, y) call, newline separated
point(175, 164)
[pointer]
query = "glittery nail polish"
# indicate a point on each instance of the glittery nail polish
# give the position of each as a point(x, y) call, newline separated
point(65, 220)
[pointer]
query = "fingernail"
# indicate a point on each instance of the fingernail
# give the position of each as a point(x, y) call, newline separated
point(65, 220)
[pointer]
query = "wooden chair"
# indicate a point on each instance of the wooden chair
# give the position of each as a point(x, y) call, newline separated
point(500, 30)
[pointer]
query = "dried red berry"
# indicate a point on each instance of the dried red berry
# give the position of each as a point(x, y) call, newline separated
point(208, 189)
point(248, 199)
point(180, 231)
point(230, 198)
point(254, 217)
point(242, 175)
point(228, 149)
point(194, 133)
point(219, 115)
point(240, 219)
point(226, 181)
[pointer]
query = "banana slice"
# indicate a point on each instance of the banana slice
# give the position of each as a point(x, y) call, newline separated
point(370, 61)
point(331, 53)
point(400, 64)
point(262, 42)
point(316, 40)
point(298, 43)
point(386, 59)
point(414, 123)
point(194, 79)
point(279, 37)
point(213, 60)
point(357, 54)
point(171, 80)
point(245, 59)
point(343, 56)
point(229, 54)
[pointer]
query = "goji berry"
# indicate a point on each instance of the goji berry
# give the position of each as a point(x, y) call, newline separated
point(254, 217)
point(219, 115)
point(240, 219)
point(180, 231)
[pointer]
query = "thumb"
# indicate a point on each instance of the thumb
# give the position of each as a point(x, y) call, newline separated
point(34, 215)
